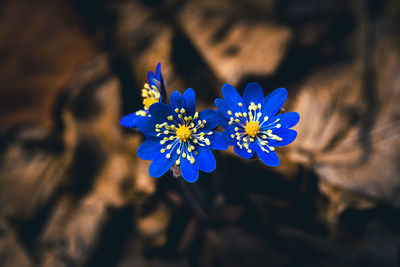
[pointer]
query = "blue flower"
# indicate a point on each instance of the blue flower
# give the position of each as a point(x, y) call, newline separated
point(177, 134)
point(251, 122)
point(151, 94)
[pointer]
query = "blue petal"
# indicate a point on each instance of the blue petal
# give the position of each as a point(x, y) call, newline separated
point(243, 152)
point(223, 112)
point(160, 111)
point(161, 164)
point(146, 125)
point(273, 102)
point(152, 79)
point(232, 97)
point(224, 123)
point(155, 79)
point(269, 159)
point(253, 93)
point(287, 136)
point(206, 159)
point(176, 100)
point(190, 100)
point(211, 117)
point(227, 137)
point(190, 172)
point(217, 141)
point(149, 148)
point(150, 76)
point(223, 108)
point(286, 120)
point(129, 120)
point(158, 71)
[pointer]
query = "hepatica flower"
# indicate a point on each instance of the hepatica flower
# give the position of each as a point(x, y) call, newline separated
point(178, 135)
point(251, 122)
point(151, 94)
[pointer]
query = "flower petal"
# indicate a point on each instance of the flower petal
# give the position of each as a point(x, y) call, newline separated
point(253, 93)
point(151, 77)
point(269, 159)
point(176, 100)
point(161, 164)
point(287, 136)
point(160, 111)
point(146, 125)
point(232, 97)
point(129, 120)
point(224, 123)
point(155, 79)
point(211, 117)
point(286, 120)
point(227, 137)
point(149, 148)
point(206, 159)
point(222, 108)
point(243, 152)
point(190, 100)
point(217, 141)
point(273, 102)
point(158, 71)
point(190, 172)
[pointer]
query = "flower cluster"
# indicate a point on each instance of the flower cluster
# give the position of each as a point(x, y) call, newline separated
point(177, 136)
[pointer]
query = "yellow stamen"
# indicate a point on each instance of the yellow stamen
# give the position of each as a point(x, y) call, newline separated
point(252, 128)
point(183, 133)
point(147, 102)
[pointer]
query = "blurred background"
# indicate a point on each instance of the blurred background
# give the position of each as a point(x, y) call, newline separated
point(74, 193)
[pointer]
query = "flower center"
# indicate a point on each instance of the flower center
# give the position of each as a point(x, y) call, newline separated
point(183, 133)
point(252, 128)
point(147, 102)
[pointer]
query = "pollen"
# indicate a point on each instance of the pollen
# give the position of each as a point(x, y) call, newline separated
point(252, 128)
point(147, 102)
point(183, 133)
